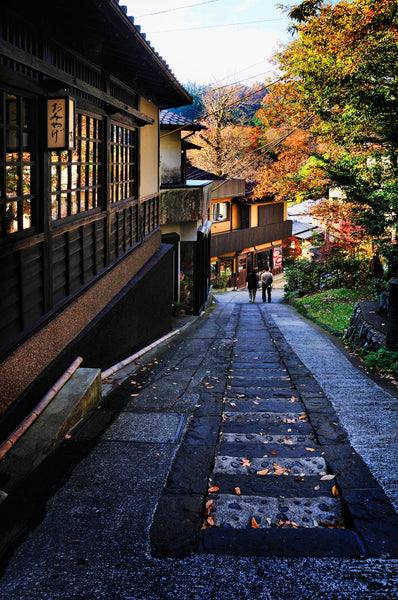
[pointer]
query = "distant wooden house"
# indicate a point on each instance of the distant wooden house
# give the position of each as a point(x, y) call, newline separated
point(81, 256)
point(246, 232)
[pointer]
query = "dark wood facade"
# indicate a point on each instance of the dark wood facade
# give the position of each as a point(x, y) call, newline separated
point(239, 239)
point(75, 227)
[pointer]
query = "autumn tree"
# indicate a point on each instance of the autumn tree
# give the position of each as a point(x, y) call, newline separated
point(342, 71)
point(228, 142)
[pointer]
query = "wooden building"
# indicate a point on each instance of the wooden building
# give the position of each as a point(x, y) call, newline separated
point(246, 232)
point(81, 257)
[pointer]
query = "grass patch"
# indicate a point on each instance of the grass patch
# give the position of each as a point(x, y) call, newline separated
point(331, 309)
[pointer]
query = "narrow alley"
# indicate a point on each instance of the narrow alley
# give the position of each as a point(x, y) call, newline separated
point(250, 434)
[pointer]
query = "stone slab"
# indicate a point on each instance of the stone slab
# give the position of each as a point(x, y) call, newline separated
point(271, 467)
point(145, 427)
point(238, 511)
point(75, 399)
point(281, 487)
point(317, 542)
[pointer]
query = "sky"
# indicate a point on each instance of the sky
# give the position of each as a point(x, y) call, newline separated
point(216, 52)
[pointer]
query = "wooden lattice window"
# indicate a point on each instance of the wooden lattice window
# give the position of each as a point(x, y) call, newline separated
point(17, 164)
point(76, 174)
point(123, 167)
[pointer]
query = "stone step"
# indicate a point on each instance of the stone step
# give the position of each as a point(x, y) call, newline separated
point(258, 404)
point(277, 440)
point(248, 512)
point(251, 449)
point(266, 416)
point(266, 428)
point(271, 467)
point(279, 487)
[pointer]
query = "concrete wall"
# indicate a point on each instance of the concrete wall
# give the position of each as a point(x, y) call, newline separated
point(149, 151)
point(188, 232)
point(170, 158)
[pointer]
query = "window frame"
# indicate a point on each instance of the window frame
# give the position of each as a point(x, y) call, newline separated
point(25, 128)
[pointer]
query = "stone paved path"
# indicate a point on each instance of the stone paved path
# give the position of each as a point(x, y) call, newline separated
point(283, 479)
point(140, 495)
point(265, 436)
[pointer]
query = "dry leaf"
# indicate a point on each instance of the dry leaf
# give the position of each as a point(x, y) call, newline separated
point(209, 505)
point(245, 462)
point(311, 449)
point(254, 524)
point(273, 452)
point(210, 387)
point(278, 470)
point(302, 416)
point(287, 441)
point(213, 489)
point(254, 402)
point(327, 477)
point(317, 487)
point(237, 491)
point(263, 472)
point(293, 399)
point(210, 521)
point(335, 490)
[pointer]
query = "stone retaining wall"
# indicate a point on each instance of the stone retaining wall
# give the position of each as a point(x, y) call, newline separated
point(362, 334)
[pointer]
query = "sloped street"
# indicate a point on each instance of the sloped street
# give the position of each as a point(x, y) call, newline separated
point(246, 457)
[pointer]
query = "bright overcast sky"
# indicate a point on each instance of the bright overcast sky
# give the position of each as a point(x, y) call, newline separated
point(212, 54)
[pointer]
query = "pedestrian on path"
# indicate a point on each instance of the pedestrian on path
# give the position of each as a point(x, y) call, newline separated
point(266, 282)
point(252, 284)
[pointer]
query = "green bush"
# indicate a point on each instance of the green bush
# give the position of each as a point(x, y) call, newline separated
point(308, 277)
point(382, 360)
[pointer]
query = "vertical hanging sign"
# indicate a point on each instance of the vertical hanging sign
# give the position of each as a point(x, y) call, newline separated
point(60, 123)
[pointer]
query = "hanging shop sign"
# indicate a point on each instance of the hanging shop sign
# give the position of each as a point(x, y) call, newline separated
point(277, 251)
point(60, 123)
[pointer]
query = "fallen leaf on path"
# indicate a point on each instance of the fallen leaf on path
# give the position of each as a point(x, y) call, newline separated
point(310, 449)
point(287, 441)
point(327, 477)
point(273, 452)
point(317, 487)
point(279, 470)
point(335, 490)
point(303, 416)
point(292, 399)
point(237, 491)
point(214, 488)
point(254, 524)
point(209, 506)
point(263, 472)
point(245, 462)
point(210, 521)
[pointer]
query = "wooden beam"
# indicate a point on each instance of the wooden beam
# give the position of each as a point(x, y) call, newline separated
point(32, 62)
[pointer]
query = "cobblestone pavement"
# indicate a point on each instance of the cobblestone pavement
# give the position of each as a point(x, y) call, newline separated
point(252, 400)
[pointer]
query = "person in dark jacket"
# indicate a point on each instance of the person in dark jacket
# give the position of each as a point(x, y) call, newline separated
point(252, 283)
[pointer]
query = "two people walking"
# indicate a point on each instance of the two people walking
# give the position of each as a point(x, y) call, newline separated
point(253, 283)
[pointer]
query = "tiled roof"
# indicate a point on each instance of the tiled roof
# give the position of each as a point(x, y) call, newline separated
point(196, 173)
point(171, 119)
